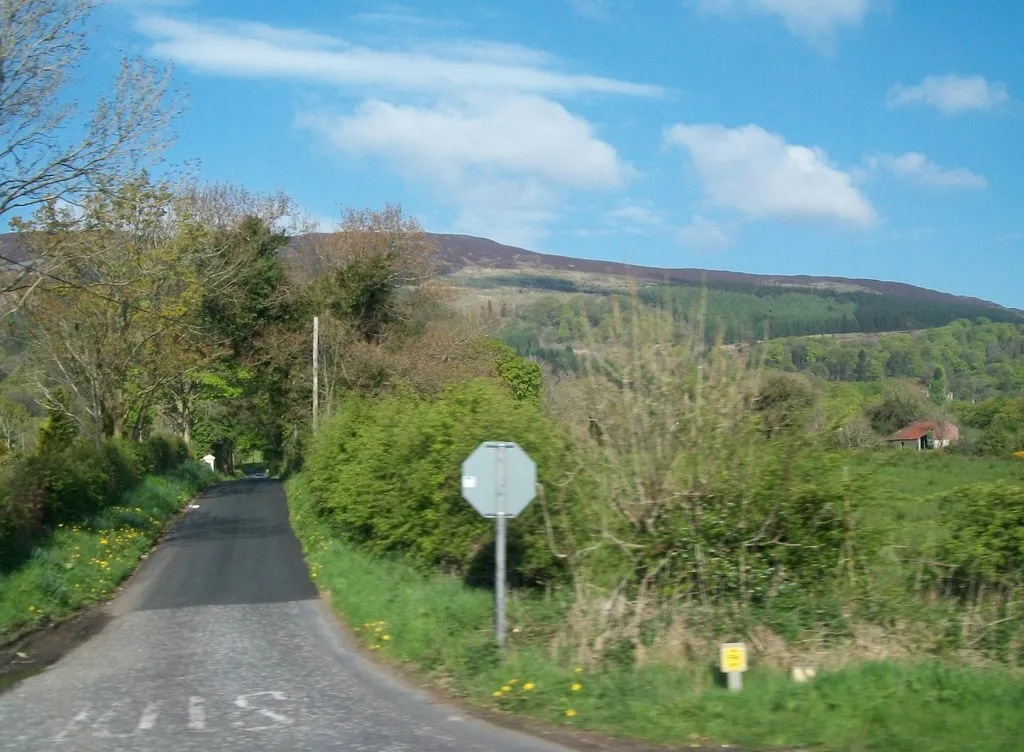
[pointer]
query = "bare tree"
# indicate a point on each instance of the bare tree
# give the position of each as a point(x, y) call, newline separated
point(41, 47)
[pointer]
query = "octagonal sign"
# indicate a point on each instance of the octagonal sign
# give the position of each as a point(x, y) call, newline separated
point(481, 476)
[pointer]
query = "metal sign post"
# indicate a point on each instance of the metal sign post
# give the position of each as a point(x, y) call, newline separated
point(500, 549)
point(500, 480)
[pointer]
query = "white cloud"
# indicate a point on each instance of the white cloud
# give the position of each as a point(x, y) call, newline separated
point(638, 215)
point(808, 18)
point(247, 50)
point(950, 94)
point(704, 234)
point(520, 134)
point(916, 168)
point(513, 154)
point(758, 174)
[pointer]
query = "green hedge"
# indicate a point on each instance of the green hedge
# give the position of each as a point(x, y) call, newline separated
point(385, 473)
point(39, 492)
point(986, 535)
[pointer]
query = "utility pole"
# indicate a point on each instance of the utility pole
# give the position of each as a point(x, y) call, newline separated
point(316, 369)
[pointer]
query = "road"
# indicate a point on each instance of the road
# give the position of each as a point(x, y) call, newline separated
point(220, 643)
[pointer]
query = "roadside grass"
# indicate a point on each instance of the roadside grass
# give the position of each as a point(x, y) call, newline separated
point(80, 565)
point(442, 629)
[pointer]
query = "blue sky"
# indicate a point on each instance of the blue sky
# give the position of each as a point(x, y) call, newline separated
point(859, 138)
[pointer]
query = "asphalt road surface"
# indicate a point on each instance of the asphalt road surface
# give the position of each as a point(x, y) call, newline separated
point(220, 643)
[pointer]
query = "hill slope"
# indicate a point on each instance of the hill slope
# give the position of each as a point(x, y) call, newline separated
point(461, 252)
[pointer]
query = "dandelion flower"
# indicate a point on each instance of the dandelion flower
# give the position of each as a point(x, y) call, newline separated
point(577, 687)
point(529, 686)
point(506, 688)
point(579, 669)
point(512, 681)
point(386, 637)
point(496, 694)
point(570, 713)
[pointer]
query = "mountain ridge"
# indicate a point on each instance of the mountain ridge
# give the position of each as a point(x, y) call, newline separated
point(464, 251)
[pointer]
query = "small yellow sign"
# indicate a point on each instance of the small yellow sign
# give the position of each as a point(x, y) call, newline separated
point(733, 657)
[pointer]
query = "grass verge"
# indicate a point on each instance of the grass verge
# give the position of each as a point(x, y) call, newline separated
point(80, 565)
point(442, 629)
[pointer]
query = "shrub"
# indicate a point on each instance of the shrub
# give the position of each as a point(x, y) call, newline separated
point(387, 473)
point(73, 484)
point(986, 540)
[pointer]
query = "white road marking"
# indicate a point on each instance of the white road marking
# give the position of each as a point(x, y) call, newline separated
point(280, 721)
point(196, 714)
point(82, 717)
point(197, 718)
point(101, 728)
point(149, 716)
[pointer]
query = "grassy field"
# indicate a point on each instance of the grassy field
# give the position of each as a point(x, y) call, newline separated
point(901, 488)
point(83, 564)
point(442, 629)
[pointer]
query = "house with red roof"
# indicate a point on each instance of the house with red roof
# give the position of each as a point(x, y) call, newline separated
point(925, 434)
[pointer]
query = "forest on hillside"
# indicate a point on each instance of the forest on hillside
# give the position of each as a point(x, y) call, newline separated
point(736, 312)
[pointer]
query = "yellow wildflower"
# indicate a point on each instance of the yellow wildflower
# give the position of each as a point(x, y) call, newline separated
point(496, 694)
point(579, 669)
point(529, 686)
point(570, 713)
point(506, 688)
point(577, 687)
point(386, 637)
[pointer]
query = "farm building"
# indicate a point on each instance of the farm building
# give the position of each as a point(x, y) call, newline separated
point(925, 434)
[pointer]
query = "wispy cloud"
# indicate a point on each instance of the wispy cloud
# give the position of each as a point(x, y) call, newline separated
point(596, 9)
point(704, 234)
point(758, 174)
point(914, 167)
point(637, 215)
point(950, 94)
point(817, 20)
point(400, 16)
point(255, 51)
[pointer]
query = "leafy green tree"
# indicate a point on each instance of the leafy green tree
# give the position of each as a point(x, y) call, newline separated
point(938, 387)
point(784, 401)
point(899, 406)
